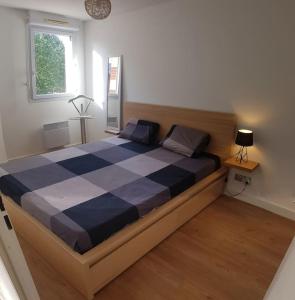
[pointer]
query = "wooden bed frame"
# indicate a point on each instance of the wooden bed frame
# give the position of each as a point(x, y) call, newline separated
point(91, 271)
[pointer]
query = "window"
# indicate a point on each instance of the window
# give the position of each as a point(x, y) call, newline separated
point(114, 63)
point(51, 63)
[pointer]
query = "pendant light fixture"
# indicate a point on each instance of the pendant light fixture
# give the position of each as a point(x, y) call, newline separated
point(98, 9)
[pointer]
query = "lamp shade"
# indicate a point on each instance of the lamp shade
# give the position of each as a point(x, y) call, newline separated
point(98, 9)
point(244, 138)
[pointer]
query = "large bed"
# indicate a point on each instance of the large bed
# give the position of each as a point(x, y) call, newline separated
point(93, 210)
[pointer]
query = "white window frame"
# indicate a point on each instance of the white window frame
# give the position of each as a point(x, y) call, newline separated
point(35, 29)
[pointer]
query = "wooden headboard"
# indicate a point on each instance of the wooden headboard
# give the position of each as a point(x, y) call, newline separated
point(221, 126)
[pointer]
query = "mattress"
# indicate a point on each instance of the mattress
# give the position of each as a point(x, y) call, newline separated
point(84, 194)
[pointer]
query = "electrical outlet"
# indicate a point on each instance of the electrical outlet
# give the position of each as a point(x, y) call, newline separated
point(245, 179)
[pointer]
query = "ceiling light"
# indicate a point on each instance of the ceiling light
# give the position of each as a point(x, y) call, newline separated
point(98, 9)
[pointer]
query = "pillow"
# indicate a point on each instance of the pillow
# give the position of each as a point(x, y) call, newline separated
point(142, 131)
point(186, 141)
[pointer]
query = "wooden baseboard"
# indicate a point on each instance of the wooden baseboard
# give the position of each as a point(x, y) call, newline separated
point(42, 152)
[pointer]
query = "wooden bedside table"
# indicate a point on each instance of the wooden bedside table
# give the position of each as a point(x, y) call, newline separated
point(248, 166)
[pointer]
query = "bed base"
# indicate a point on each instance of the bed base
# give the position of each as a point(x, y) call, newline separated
point(91, 271)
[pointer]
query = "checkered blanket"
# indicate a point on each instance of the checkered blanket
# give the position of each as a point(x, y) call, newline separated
point(85, 194)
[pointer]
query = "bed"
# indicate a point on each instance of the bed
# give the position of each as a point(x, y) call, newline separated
point(90, 255)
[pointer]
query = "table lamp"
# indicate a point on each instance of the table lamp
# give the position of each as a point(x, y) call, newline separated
point(244, 139)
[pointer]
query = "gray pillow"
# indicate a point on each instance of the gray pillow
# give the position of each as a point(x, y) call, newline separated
point(142, 131)
point(127, 132)
point(186, 141)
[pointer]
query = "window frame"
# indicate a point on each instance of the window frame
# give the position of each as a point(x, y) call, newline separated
point(33, 88)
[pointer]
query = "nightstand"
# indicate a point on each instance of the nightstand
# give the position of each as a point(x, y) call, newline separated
point(248, 166)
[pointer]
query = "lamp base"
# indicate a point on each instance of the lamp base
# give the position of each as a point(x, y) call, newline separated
point(242, 155)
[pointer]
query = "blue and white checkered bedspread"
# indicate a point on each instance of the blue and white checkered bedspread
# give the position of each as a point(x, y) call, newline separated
point(85, 194)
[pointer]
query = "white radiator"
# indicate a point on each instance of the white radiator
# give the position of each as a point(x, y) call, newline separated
point(56, 135)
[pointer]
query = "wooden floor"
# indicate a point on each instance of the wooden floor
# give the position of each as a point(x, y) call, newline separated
point(228, 252)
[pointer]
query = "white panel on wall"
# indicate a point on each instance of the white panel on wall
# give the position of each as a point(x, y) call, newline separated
point(56, 135)
point(37, 18)
point(3, 155)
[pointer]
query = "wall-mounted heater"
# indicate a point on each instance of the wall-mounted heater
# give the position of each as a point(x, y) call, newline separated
point(56, 135)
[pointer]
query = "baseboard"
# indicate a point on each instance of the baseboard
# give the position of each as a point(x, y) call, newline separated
point(267, 205)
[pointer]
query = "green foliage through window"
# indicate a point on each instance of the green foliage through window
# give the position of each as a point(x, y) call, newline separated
point(50, 64)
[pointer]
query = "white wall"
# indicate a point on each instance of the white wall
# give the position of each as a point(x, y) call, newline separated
point(22, 120)
point(223, 55)
point(3, 155)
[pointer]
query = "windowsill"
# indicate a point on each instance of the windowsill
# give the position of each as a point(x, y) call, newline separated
point(112, 131)
point(50, 98)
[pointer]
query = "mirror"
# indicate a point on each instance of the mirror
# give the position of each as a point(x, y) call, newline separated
point(114, 98)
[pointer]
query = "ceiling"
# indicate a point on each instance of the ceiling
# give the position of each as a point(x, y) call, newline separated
point(75, 8)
